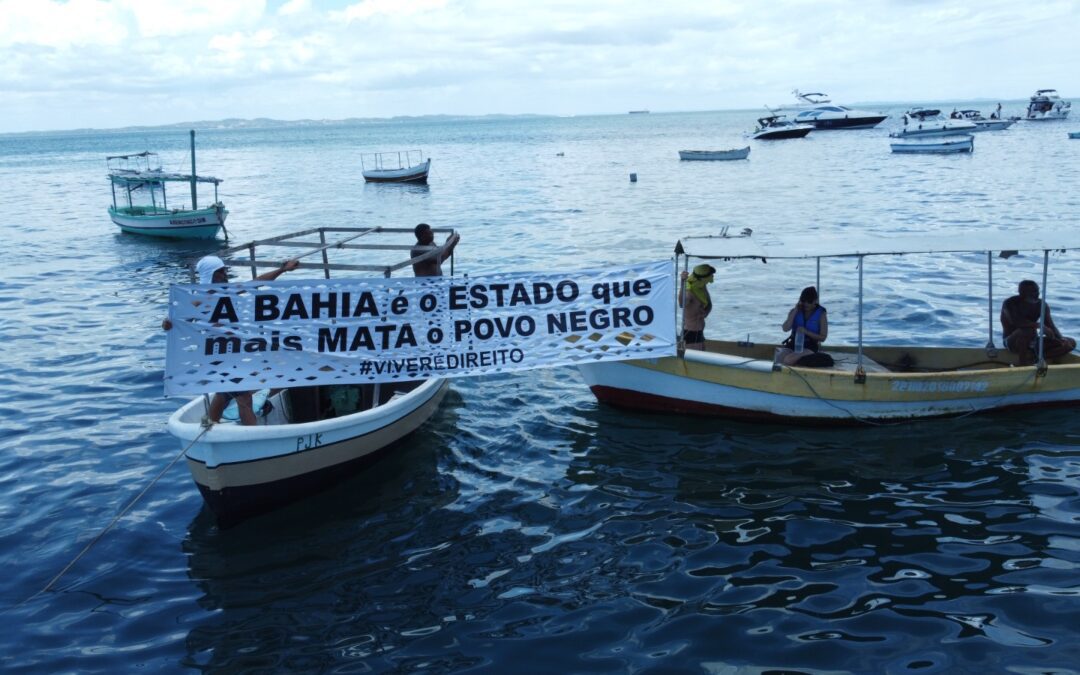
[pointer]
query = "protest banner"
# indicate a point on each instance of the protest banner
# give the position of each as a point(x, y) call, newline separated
point(255, 335)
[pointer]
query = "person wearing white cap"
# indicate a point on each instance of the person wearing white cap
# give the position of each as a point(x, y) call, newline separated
point(212, 270)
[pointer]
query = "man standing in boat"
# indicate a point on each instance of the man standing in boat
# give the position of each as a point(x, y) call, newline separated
point(425, 242)
point(1020, 326)
point(696, 303)
point(212, 270)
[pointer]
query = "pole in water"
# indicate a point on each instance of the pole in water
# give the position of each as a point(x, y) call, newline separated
point(633, 178)
point(194, 192)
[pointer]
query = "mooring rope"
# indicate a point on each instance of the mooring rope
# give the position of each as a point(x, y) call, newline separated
point(123, 512)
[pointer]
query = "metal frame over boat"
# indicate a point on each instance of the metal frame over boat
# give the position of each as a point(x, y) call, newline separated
point(298, 448)
point(141, 173)
point(400, 166)
point(737, 153)
point(867, 384)
point(940, 147)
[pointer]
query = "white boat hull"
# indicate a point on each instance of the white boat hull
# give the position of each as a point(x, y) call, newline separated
point(938, 148)
point(199, 224)
point(733, 384)
point(709, 155)
point(245, 470)
point(412, 174)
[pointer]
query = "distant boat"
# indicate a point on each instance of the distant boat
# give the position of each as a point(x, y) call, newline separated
point(815, 109)
point(778, 127)
point(941, 147)
point(639, 112)
point(984, 124)
point(142, 206)
point(737, 153)
point(1074, 134)
point(1045, 105)
point(399, 166)
point(930, 122)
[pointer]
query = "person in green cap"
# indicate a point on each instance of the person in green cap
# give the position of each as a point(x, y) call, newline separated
point(696, 303)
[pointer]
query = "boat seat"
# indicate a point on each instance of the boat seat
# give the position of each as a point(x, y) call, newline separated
point(846, 362)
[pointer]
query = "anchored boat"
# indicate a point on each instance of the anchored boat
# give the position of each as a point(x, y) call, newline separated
point(404, 166)
point(1046, 104)
point(142, 206)
point(866, 384)
point(778, 127)
point(930, 122)
point(309, 437)
point(938, 147)
point(708, 155)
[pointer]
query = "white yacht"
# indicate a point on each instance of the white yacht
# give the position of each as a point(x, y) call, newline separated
point(818, 111)
point(1045, 104)
point(930, 122)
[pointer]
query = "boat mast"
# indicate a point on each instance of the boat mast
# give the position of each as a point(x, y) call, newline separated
point(194, 192)
point(991, 350)
point(1042, 316)
point(860, 373)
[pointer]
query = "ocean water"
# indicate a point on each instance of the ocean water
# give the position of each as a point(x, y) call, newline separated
point(527, 528)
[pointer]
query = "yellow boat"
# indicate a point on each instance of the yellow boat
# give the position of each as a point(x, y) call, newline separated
point(867, 384)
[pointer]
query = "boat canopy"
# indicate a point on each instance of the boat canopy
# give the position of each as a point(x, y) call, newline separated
point(139, 177)
point(856, 245)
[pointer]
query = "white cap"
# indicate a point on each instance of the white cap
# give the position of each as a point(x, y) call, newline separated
point(206, 267)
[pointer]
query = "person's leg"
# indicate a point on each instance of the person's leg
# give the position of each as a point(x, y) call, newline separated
point(1019, 342)
point(217, 406)
point(1053, 347)
point(243, 405)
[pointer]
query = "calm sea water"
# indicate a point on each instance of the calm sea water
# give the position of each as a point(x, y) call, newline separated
point(527, 528)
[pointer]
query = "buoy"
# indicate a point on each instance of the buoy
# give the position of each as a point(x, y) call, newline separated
point(633, 178)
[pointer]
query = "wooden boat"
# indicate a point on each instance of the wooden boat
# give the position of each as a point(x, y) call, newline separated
point(737, 153)
point(940, 147)
point(140, 176)
point(314, 436)
point(867, 384)
point(405, 166)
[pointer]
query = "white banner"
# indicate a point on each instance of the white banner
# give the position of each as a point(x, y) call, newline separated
point(287, 333)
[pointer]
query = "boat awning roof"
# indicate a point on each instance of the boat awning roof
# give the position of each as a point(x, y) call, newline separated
point(805, 246)
point(159, 177)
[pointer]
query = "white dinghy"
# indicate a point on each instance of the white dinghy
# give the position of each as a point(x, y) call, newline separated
point(311, 436)
point(939, 147)
point(713, 155)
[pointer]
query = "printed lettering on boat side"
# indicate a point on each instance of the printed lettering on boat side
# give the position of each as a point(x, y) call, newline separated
point(947, 386)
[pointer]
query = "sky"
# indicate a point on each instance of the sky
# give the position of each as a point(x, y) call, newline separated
point(67, 64)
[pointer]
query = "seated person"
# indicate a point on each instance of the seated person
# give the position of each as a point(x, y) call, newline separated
point(807, 319)
point(1020, 327)
point(696, 303)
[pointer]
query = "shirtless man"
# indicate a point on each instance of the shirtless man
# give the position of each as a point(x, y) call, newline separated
point(425, 241)
point(1020, 327)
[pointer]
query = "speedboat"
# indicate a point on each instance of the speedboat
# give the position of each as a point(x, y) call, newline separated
point(777, 127)
point(938, 146)
point(817, 111)
point(404, 166)
point(1045, 105)
point(986, 124)
point(867, 384)
point(737, 153)
point(140, 205)
point(930, 122)
point(311, 436)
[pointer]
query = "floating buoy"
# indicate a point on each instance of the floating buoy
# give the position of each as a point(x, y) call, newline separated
point(633, 178)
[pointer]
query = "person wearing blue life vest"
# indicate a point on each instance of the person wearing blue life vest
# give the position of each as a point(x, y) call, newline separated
point(809, 326)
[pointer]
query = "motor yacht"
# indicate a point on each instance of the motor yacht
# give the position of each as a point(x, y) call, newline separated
point(817, 111)
point(1045, 105)
point(930, 122)
point(777, 127)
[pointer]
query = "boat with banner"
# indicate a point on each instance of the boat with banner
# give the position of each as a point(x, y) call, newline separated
point(713, 155)
point(308, 437)
point(866, 384)
point(942, 146)
point(142, 206)
point(399, 166)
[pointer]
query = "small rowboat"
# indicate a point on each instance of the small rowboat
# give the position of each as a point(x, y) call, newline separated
point(943, 147)
point(310, 437)
point(406, 166)
point(866, 384)
point(1074, 134)
point(737, 153)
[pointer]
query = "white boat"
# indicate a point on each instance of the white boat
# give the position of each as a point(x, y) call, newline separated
point(867, 384)
point(314, 436)
point(937, 147)
point(817, 111)
point(142, 206)
point(737, 153)
point(1046, 104)
point(930, 122)
point(985, 123)
point(778, 127)
point(405, 166)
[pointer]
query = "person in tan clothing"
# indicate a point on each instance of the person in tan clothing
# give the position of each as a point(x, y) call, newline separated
point(696, 303)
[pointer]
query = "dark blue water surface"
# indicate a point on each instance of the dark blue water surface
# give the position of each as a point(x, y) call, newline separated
point(527, 528)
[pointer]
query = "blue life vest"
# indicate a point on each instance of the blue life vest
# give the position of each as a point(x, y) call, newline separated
point(813, 324)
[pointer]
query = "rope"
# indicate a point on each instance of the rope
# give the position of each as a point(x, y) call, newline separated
point(871, 422)
point(116, 519)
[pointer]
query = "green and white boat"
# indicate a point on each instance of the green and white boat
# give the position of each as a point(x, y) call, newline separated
point(140, 205)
